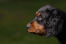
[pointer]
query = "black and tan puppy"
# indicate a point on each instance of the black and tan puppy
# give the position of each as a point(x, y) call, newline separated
point(49, 21)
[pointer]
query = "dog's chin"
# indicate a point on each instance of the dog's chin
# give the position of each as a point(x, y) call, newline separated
point(41, 34)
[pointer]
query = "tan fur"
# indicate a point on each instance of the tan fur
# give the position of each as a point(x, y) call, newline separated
point(38, 13)
point(37, 28)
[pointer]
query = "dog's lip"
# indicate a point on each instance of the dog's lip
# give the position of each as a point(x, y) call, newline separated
point(37, 33)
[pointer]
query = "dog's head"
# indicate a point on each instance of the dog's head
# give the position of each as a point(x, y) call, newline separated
point(48, 21)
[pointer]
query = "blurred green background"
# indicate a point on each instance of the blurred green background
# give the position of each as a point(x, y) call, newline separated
point(14, 16)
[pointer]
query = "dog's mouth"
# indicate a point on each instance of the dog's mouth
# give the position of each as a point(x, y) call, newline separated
point(36, 28)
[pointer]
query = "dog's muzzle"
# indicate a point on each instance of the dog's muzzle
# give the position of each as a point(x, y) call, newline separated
point(36, 28)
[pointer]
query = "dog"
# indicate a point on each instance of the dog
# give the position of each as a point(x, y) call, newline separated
point(49, 21)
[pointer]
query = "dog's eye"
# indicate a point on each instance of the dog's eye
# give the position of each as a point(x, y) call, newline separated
point(39, 18)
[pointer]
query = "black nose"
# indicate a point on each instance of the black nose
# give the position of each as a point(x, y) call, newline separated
point(28, 26)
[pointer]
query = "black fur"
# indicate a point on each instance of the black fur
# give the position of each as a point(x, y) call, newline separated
point(54, 20)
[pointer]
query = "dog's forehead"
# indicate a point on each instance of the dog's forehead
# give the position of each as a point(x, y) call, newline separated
point(50, 7)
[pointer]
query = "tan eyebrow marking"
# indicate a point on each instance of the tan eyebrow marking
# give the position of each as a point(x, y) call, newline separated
point(38, 13)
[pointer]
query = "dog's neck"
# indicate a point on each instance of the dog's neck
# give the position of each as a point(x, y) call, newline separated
point(62, 36)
